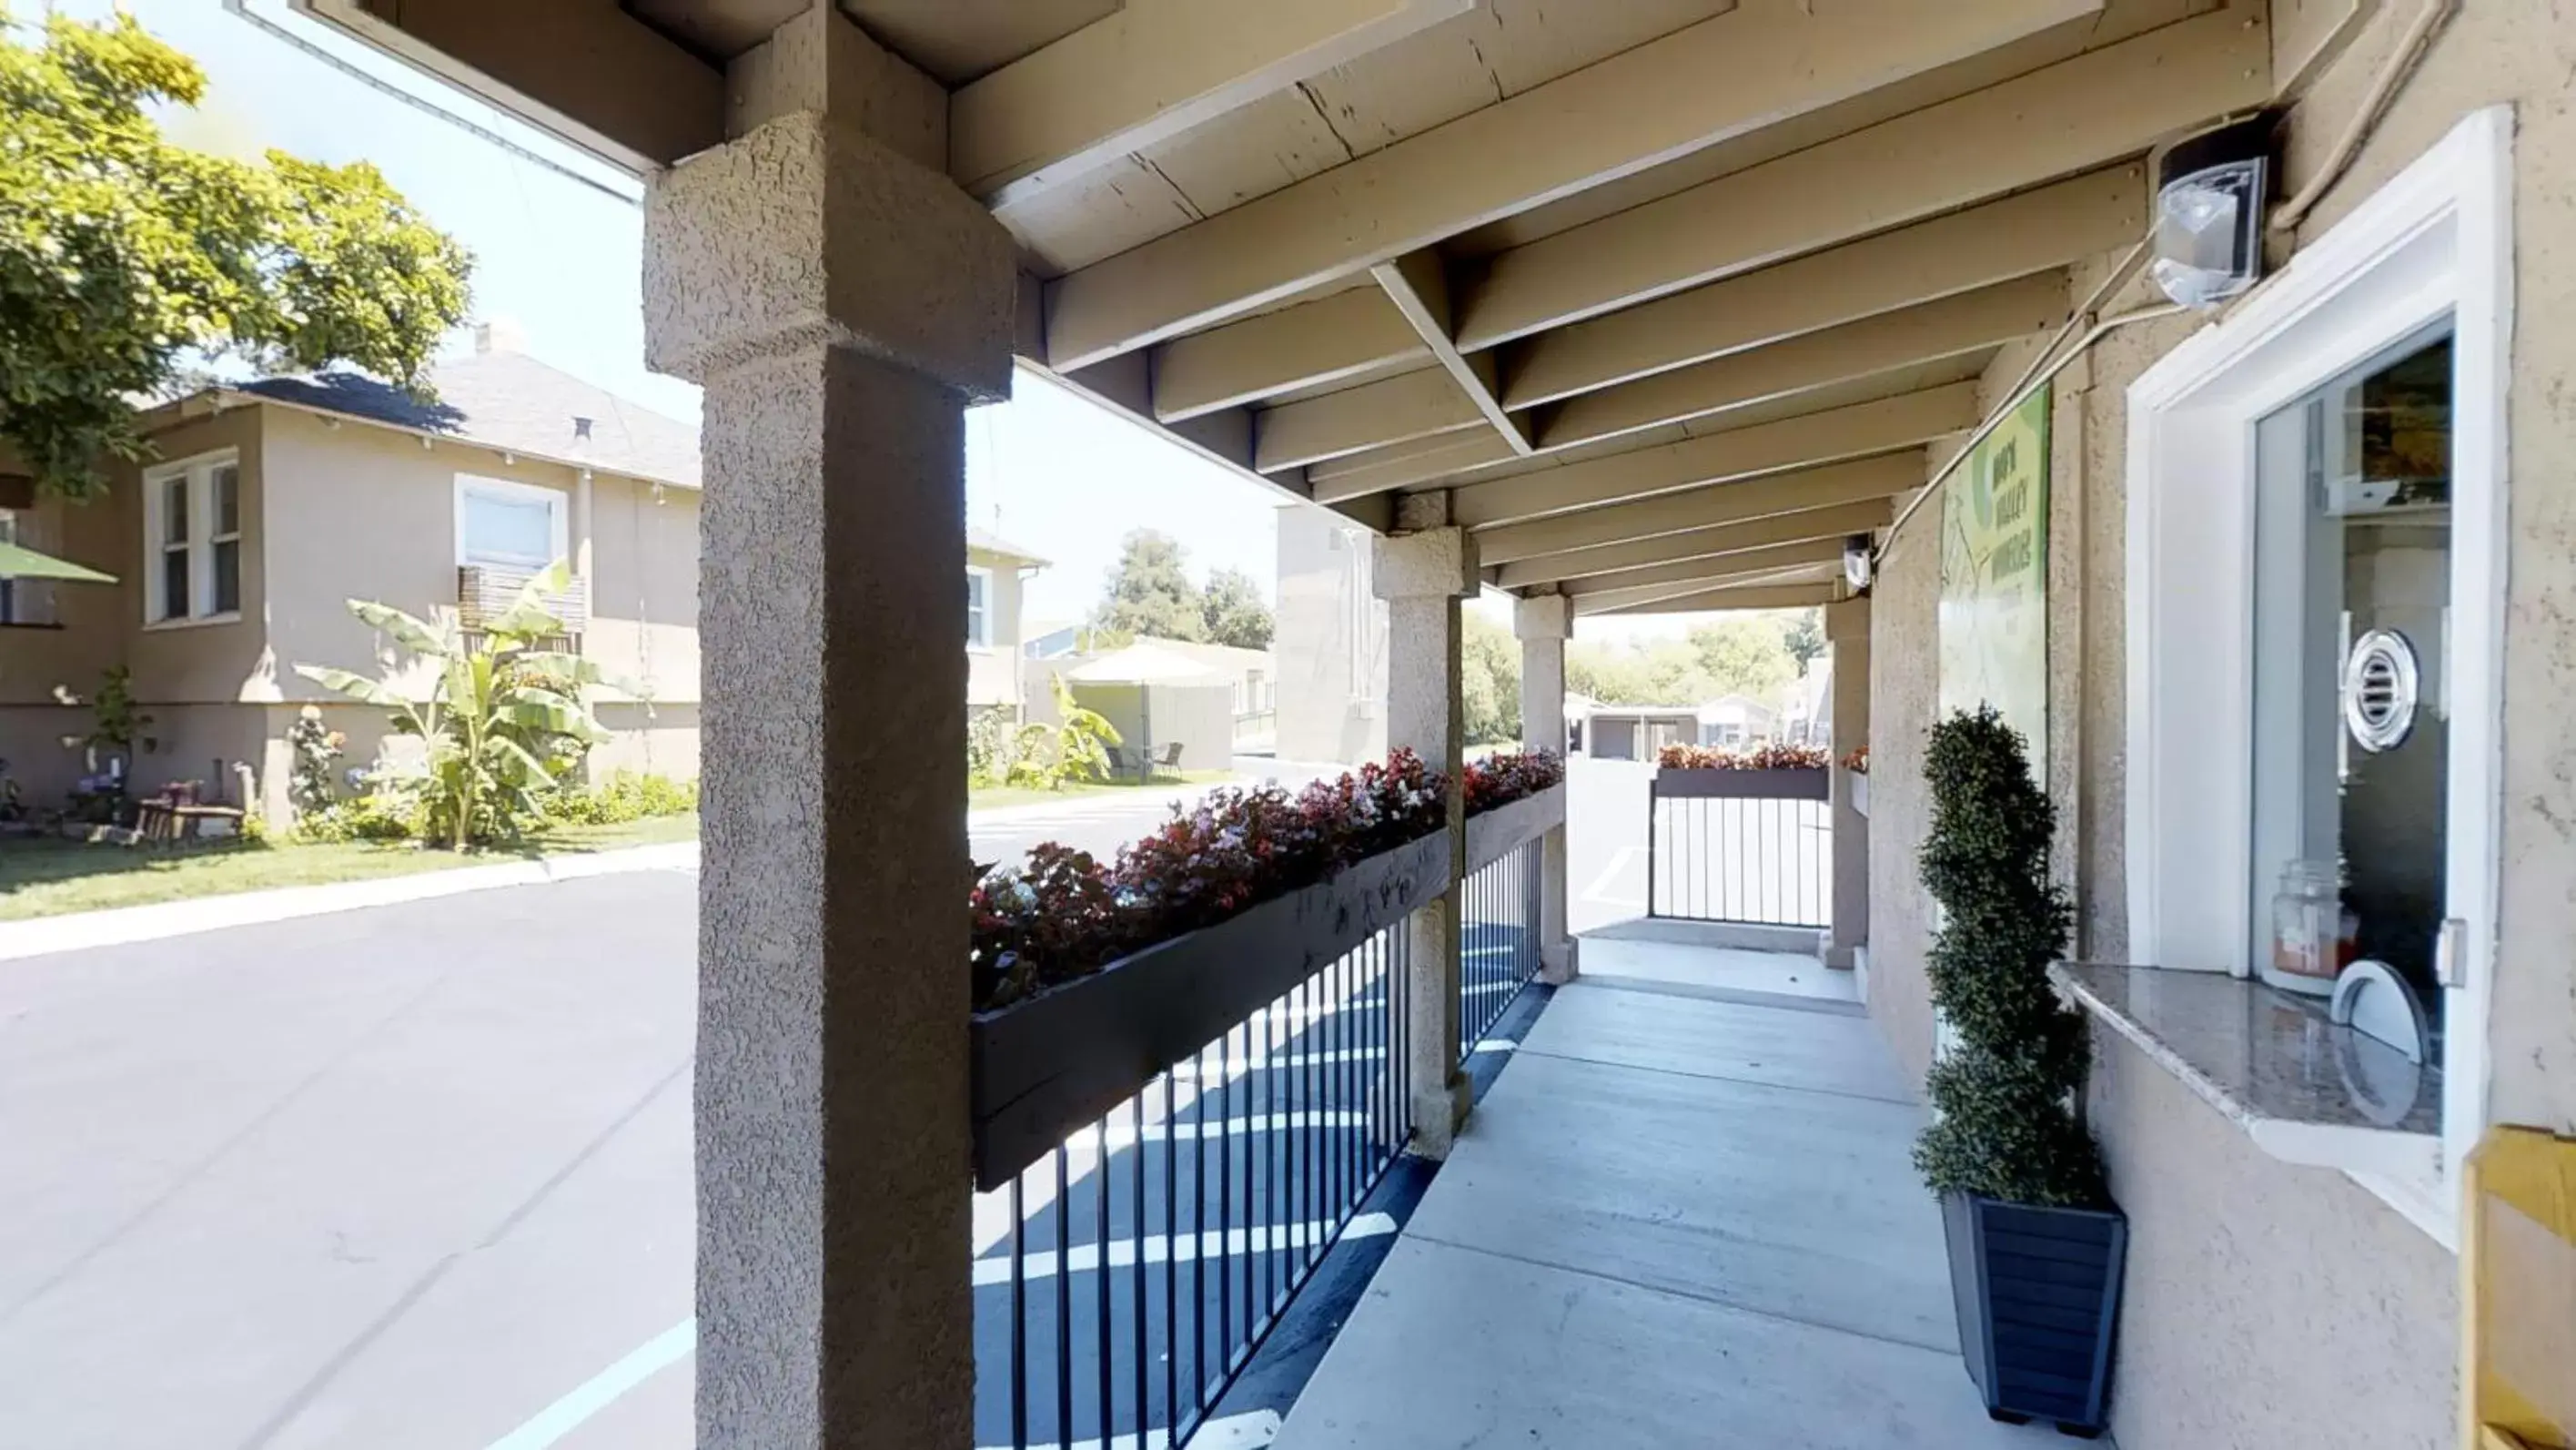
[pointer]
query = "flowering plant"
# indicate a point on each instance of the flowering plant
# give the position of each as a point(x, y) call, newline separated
point(1500, 779)
point(1064, 915)
point(1857, 762)
point(1766, 757)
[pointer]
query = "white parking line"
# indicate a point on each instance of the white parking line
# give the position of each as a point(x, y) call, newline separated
point(1160, 1248)
point(1599, 889)
point(1248, 1431)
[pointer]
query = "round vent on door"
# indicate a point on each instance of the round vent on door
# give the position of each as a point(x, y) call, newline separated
point(2380, 682)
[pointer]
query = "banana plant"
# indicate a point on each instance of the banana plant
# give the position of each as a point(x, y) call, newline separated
point(495, 710)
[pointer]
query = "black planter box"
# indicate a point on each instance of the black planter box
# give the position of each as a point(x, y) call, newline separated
point(1797, 783)
point(2038, 1293)
point(1494, 834)
point(1046, 1067)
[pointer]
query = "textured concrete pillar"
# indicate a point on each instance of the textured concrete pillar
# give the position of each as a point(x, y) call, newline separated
point(1543, 622)
point(841, 303)
point(1847, 635)
point(1422, 575)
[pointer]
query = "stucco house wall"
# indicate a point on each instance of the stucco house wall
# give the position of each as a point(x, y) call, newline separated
point(993, 668)
point(192, 678)
point(2236, 1258)
point(1330, 643)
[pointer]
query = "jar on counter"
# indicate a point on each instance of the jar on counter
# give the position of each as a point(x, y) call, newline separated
point(2314, 935)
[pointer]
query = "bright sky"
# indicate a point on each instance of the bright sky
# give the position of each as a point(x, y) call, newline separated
point(1046, 470)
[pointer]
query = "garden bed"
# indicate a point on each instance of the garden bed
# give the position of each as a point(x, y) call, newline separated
point(1497, 833)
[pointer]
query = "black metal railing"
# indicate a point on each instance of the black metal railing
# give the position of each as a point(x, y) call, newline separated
point(1743, 856)
point(1498, 941)
point(1125, 1280)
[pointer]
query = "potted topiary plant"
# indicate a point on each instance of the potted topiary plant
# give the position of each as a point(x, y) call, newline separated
point(2036, 1246)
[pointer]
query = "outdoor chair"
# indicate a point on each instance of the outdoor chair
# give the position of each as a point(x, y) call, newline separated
point(1168, 758)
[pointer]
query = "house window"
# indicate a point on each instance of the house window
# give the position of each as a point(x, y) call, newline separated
point(979, 607)
point(2316, 505)
point(192, 526)
point(506, 525)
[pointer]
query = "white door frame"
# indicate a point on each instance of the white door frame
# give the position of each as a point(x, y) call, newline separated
point(2435, 242)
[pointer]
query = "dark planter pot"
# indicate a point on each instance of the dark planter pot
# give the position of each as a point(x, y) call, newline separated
point(2038, 1292)
point(1805, 783)
point(1053, 1064)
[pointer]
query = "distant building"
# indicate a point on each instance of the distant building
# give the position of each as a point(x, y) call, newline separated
point(1330, 647)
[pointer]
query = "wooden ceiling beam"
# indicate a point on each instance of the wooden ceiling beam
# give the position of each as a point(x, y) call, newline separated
point(1149, 71)
point(1829, 436)
point(1390, 410)
point(2095, 108)
point(1419, 287)
point(1706, 572)
point(1751, 596)
point(2017, 236)
point(1308, 345)
point(1724, 77)
point(1951, 327)
point(592, 74)
point(1704, 508)
point(1839, 522)
point(1381, 470)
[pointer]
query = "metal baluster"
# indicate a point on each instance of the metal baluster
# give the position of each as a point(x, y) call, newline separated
point(1019, 1317)
point(1063, 1303)
point(1136, 1208)
point(1101, 1279)
point(1171, 1278)
point(1225, 1214)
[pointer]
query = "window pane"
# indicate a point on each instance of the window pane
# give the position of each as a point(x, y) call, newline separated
point(174, 583)
point(975, 631)
point(174, 510)
point(227, 576)
point(508, 530)
point(2352, 739)
point(227, 500)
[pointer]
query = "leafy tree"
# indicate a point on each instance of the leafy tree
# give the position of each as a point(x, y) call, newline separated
point(1742, 654)
point(1805, 637)
point(503, 718)
point(122, 255)
point(1491, 682)
point(1232, 611)
point(1149, 592)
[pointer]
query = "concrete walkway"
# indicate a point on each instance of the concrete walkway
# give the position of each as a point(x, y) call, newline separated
point(1684, 1216)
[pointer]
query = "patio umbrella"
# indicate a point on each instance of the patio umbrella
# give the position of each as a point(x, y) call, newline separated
point(17, 561)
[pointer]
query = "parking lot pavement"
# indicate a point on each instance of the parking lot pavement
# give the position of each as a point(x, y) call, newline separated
point(420, 1175)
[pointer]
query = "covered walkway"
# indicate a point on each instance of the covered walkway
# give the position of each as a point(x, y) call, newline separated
point(1683, 1216)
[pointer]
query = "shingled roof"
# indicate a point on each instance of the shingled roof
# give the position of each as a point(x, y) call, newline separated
point(508, 400)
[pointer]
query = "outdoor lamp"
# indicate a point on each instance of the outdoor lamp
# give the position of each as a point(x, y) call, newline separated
point(1858, 566)
point(2210, 193)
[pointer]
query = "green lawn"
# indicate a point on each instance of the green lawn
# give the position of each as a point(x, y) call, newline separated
point(987, 797)
point(51, 877)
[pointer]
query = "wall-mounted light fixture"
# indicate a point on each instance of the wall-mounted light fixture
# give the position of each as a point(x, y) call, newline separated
point(1859, 568)
point(2210, 193)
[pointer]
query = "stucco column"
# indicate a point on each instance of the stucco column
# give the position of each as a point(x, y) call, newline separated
point(1847, 635)
point(841, 304)
point(1543, 622)
point(1422, 575)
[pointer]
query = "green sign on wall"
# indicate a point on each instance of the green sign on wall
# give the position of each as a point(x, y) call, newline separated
point(1994, 578)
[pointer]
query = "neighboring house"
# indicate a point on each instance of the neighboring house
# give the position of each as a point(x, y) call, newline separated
point(1637, 732)
point(1733, 720)
point(1047, 639)
point(996, 569)
point(268, 505)
point(1330, 645)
